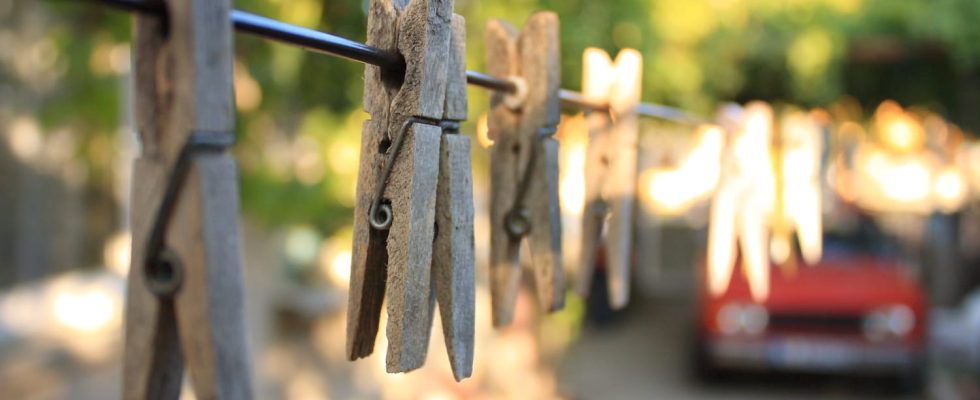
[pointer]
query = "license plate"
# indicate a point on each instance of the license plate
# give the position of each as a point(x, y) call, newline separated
point(804, 353)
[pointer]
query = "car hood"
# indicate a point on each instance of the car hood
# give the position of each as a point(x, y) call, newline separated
point(847, 285)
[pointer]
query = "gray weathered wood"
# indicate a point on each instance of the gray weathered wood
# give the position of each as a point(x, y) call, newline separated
point(453, 259)
point(412, 189)
point(456, 100)
point(396, 264)
point(533, 56)
point(368, 252)
point(183, 85)
point(502, 125)
point(453, 263)
point(611, 162)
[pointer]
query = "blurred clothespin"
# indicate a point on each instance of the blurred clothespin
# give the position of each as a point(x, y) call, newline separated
point(524, 162)
point(744, 201)
point(611, 162)
point(398, 192)
point(797, 150)
point(184, 300)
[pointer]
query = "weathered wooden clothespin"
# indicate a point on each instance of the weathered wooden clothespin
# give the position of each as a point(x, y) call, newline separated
point(184, 296)
point(610, 169)
point(408, 183)
point(524, 162)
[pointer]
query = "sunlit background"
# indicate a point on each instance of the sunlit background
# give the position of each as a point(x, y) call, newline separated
point(832, 117)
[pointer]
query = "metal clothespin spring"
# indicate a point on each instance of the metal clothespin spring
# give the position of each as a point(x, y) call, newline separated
point(380, 215)
point(518, 219)
point(163, 271)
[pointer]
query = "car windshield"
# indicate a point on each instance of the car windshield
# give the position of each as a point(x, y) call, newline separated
point(863, 239)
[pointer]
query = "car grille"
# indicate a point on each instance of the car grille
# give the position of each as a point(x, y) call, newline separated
point(815, 323)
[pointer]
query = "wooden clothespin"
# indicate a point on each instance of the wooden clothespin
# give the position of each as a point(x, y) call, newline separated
point(184, 296)
point(524, 162)
point(405, 179)
point(610, 169)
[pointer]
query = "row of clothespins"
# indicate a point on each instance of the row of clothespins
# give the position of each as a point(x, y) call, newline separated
point(413, 223)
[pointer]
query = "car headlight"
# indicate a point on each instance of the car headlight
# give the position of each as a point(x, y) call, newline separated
point(888, 322)
point(735, 318)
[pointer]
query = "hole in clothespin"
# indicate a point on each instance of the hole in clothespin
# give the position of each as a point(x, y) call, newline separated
point(384, 145)
point(518, 222)
point(401, 4)
point(602, 208)
point(516, 148)
point(164, 19)
point(164, 274)
point(515, 100)
point(393, 76)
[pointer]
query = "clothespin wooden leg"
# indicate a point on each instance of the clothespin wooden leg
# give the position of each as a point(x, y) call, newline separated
point(611, 169)
point(410, 247)
point(721, 240)
point(619, 243)
point(369, 267)
point(545, 235)
point(453, 259)
point(397, 181)
point(184, 295)
point(524, 158)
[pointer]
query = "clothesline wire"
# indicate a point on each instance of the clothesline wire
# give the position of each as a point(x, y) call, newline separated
point(326, 43)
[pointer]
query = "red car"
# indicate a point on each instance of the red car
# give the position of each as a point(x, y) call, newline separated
point(857, 311)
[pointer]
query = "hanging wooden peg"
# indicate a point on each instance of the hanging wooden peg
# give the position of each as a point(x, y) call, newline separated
point(453, 260)
point(610, 169)
point(743, 202)
point(397, 187)
point(184, 301)
point(524, 162)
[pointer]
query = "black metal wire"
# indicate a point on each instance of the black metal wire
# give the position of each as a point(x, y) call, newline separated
point(321, 42)
point(669, 113)
point(146, 7)
point(490, 82)
point(326, 43)
point(271, 29)
point(577, 100)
